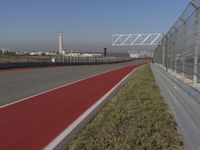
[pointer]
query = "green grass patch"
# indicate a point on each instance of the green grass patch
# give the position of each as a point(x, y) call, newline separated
point(135, 118)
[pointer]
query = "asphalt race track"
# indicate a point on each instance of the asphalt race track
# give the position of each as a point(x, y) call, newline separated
point(35, 122)
point(22, 83)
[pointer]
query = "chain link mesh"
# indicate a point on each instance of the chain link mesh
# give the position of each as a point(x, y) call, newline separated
point(180, 46)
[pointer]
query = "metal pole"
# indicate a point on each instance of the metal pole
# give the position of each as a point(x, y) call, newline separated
point(195, 66)
point(192, 3)
point(174, 57)
point(183, 66)
point(58, 56)
point(163, 51)
point(166, 54)
point(184, 36)
point(196, 48)
point(171, 53)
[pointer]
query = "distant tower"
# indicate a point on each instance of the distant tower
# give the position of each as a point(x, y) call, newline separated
point(105, 52)
point(60, 34)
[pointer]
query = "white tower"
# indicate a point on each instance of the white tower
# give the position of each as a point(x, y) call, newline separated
point(60, 34)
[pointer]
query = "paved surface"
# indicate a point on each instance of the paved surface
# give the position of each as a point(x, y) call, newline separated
point(22, 83)
point(34, 123)
point(184, 103)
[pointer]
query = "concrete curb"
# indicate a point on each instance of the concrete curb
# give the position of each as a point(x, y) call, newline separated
point(184, 103)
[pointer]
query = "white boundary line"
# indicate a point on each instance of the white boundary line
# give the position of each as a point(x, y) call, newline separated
point(18, 101)
point(81, 118)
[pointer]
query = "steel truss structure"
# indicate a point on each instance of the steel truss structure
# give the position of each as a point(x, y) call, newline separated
point(136, 39)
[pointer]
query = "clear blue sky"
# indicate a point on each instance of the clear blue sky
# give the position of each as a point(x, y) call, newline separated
point(32, 24)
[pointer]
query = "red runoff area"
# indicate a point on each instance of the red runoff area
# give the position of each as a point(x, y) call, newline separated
point(32, 124)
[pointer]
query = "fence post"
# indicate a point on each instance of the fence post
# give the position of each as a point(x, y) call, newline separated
point(196, 42)
point(196, 46)
point(183, 66)
point(163, 51)
point(185, 40)
point(174, 56)
point(171, 52)
point(175, 49)
point(166, 53)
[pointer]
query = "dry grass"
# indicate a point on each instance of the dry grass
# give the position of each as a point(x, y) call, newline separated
point(135, 118)
point(13, 58)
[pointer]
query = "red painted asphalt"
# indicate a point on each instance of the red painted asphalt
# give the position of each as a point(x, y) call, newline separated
point(32, 124)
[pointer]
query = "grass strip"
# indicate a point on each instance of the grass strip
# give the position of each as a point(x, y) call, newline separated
point(17, 58)
point(135, 118)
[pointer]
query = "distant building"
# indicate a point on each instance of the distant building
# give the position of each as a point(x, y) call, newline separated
point(78, 54)
point(37, 54)
point(72, 54)
point(4, 51)
point(50, 54)
point(91, 55)
point(134, 55)
point(140, 54)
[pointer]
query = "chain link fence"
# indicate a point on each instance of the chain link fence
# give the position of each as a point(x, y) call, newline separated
point(69, 58)
point(13, 61)
point(179, 51)
point(65, 59)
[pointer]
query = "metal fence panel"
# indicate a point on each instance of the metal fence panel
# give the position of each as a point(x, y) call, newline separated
point(182, 44)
